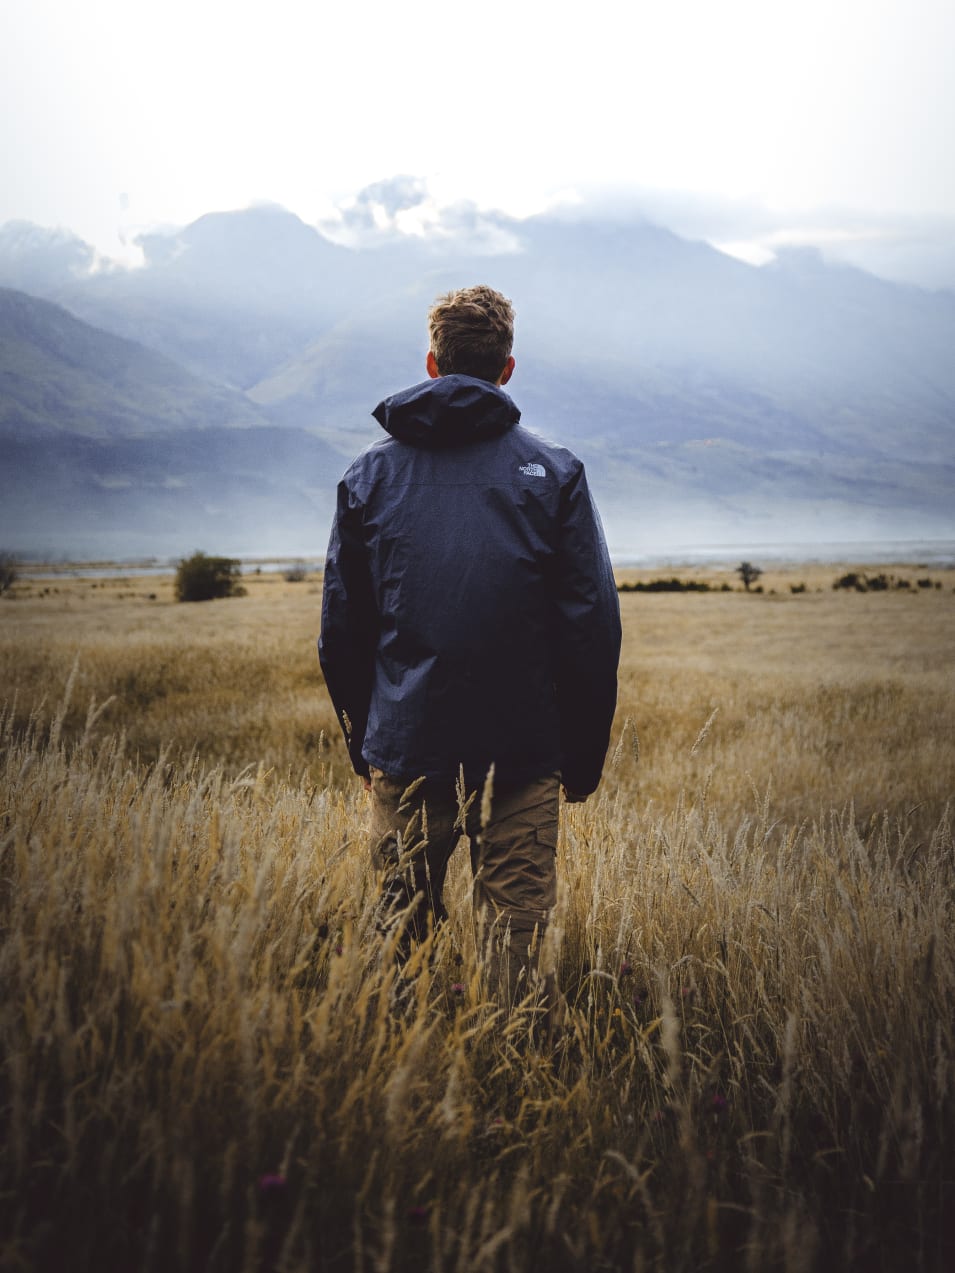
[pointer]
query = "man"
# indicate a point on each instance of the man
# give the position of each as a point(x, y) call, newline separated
point(470, 639)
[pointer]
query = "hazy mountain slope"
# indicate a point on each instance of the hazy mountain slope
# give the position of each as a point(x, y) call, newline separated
point(60, 374)
point(110, 449)
point(315, 330)
point(674, 339)
point(709, 398)
point(229, 296)
point(250, 492)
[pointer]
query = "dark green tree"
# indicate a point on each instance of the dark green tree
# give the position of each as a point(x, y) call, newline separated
point(202, 578)
point(748, 573)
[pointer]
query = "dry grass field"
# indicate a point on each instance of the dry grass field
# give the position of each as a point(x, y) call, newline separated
point(201, 1069)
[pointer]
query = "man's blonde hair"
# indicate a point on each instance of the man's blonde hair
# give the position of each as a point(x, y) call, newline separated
point(472, 332)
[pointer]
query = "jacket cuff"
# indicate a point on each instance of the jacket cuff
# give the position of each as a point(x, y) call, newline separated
point(580, 783)
point(359, 764)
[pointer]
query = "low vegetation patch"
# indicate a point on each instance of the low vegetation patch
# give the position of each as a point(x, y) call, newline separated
point(855, 581)
point(671, 585)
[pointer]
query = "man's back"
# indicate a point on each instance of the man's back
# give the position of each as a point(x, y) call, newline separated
point(470, 614)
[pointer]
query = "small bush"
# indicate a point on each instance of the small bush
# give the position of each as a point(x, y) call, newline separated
point(202, 578)
point(295, 573)
point(851, 581)
point(8, 571)
point(797, 587)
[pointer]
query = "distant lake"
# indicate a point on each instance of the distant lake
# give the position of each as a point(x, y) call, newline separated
point(939, 553)
point(924, 552)
point(139, 569)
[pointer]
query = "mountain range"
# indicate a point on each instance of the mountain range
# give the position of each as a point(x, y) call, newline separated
point(212, 396)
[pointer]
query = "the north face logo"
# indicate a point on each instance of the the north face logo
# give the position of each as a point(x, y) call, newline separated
point(532, 470)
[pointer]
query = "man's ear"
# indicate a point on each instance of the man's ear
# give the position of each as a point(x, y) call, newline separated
point(432, 366)
point(507, 372)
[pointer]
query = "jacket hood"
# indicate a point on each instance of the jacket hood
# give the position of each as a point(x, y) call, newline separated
point(449, 411)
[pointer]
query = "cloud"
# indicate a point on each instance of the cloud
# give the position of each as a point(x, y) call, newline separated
point(403, 207)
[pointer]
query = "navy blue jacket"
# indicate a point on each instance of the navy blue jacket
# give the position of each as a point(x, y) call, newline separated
point(469, 614)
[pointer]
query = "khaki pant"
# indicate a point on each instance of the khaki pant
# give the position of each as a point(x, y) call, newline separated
point(415, 829)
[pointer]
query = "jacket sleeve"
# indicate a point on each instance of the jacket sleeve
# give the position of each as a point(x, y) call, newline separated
point(588, 638)
point(349, 636)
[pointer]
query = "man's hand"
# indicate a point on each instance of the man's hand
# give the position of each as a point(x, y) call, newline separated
point(366, 782)
point(573, 797)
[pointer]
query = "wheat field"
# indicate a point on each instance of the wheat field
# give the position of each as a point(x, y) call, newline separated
point(202, 1067)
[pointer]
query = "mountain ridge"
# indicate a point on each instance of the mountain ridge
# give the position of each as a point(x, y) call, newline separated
point(800, 395)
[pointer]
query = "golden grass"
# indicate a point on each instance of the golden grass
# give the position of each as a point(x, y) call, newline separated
point(754, 934)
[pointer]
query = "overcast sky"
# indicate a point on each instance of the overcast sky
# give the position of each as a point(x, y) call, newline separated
point(748, 122)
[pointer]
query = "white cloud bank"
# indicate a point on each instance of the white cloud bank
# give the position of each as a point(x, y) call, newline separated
point(118, 116)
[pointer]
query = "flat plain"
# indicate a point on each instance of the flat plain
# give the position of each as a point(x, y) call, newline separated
point(202, 1064)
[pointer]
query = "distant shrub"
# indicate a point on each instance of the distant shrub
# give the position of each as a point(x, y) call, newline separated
point(797, 587)
point(925, 583)
point(296, 572)
point(202, 578)
point(851, 582)
point(8, 571)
